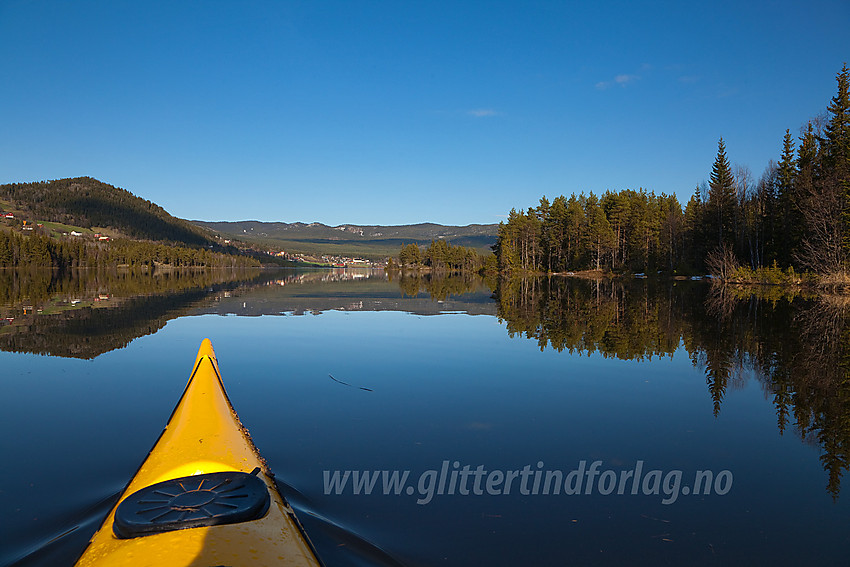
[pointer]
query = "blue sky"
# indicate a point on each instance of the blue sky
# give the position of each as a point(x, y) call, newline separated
point(402, 112)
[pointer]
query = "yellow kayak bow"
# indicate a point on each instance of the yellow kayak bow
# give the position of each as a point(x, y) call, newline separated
point(203, 496)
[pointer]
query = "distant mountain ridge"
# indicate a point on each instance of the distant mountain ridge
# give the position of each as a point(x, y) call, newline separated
point(92, 204)
point(418, 231)
point(367, 240)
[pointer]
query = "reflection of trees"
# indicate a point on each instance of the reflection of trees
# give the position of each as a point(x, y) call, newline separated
point(797, 347)
point(820, 382)
point(586, 316)
point(37, 287)
point(85, 313)
point(438, 287)
point(62, 316)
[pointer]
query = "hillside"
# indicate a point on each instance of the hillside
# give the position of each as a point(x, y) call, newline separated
point(368, 241)
point(88, 203)
point(87, 206)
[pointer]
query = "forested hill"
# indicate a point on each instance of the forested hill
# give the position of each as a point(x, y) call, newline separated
point(88, 203)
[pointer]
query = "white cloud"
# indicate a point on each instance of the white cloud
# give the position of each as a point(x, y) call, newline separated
point(625, 79)
point(483, 112)
point(622, 80)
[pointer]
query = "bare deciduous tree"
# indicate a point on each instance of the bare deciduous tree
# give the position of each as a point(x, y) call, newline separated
point(821, 249)
point(721, 262)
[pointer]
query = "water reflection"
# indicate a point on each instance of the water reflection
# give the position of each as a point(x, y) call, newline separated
point(499, 402)
point(795, 345)
point(86, 313)
point(300, 292)
point(441, 288)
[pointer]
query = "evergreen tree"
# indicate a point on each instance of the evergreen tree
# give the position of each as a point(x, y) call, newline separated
point(600, 237)
point(671, 236)
point(807, 157)
point(617, 210)
point(786, 222)
point(554, 234)
point(835, 169)
point(532, 228)
point(836, 144)
point(721, 199)
point(6, 251)
point(644, 226)
point(574, 222)
point(507, 244)
point(694, 230)
point(410, 255)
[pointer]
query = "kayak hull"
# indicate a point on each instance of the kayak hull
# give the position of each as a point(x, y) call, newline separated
point(204, 435)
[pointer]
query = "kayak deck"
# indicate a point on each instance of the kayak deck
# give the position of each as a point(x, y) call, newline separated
point(204, 435)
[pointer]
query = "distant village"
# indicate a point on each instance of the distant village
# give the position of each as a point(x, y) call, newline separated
point(330, 261)
point(335, 261)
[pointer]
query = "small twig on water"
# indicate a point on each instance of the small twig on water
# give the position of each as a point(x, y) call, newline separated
point(347, 384)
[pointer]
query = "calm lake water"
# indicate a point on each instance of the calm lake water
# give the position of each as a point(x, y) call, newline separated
point(491, 407)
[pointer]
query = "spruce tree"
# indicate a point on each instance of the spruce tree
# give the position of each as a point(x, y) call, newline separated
point(837, 133)
point(785, 231)
point(835, 165)
point(721, 198)
point(807, 156)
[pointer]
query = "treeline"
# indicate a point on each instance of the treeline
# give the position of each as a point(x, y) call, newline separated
point(134, 253)
point(89, 203)
point(795, 216)
point(626, 230)
point(38, 250)
point(441, 256)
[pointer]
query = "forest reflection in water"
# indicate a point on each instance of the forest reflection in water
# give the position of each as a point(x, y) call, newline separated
point(796, 345)
point(85, 313)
